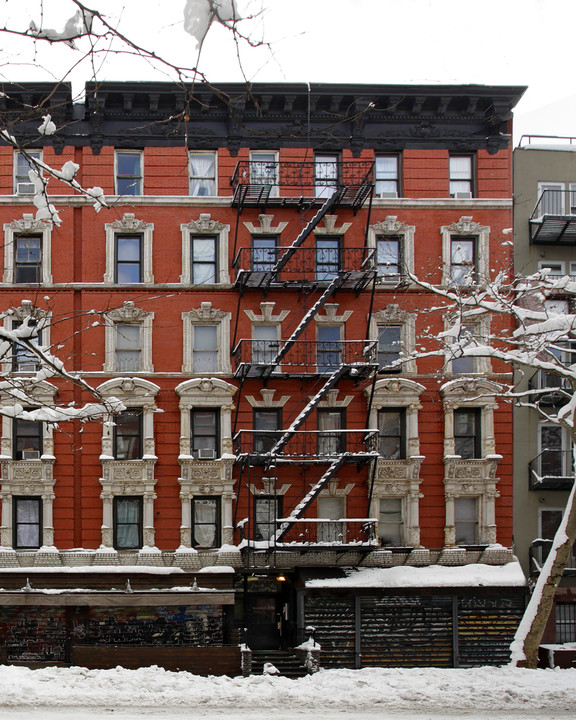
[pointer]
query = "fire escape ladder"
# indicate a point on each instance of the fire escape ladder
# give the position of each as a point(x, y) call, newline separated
point(312, 404)
point(330, 202)
point(309, 498)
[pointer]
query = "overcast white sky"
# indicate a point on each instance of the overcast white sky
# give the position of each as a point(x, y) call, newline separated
point(504, 42)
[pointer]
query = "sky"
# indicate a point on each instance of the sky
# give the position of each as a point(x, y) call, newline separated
point(504, 42)
point(371, 694)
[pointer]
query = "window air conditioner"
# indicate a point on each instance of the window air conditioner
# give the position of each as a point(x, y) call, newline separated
point(392, 194)
point(206, 454)
point(26, 367)
point(462, 195)
point(25, 188)
point(30, 455)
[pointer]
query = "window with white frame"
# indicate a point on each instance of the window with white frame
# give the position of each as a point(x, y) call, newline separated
point(553, 268)
point(129, 251)
point(394, 330)
point(22, 166)
point(129, 178)
point(461, 176)
point(202, 167)
point(267, 510)
point(465, 252)
point(391, 521)
point(206, 340)
point(466, 520)
point(551, 198)
point(469, 335)
point(387, 171)
point(549, 520)
point(332, 510)
point(128, 339)
point(27, 251)
point(32, 327)
point(265, 343)
point(555, 457)
point(206, 521)
point(205, 433)
point(390, 348)
point(204, 251)
point(264, 170)
point(331, 439)
point(393, 244)
point(326, 167)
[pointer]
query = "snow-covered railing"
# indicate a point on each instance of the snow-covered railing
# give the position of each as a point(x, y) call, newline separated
point(316, 531)
point(313, 445)
point(552, 469)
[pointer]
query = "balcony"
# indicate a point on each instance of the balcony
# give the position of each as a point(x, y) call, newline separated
point(304, 358)
point(316, 534)
point(553, 221)
point(538, 552)
point(301, 184)
point(306, 267)
point(306, 446)
point(552, 470)
point(549, 390)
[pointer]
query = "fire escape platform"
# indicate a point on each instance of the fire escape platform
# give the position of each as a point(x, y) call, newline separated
point(553, 230)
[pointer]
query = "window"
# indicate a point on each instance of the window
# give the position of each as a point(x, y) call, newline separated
point(27, 439)
point(202, 173)
point(28, 259)
point(128, 259)
point(392, 433)
point(205, 433)
point(466, 364)
point(128, 347)
point(461, 176)
point(462, 260)
point(22, 166)
point(566, 621)
point(552, 269)
point(551, 198)
point(330, 441)
point(389, 348)
point(327, 258)
point(128, 173)
point(127, 523)
point(264, 252)
point(205, 348)
point(264, 170)
point(329, 349)
point(267, 509)
point(23, 358)
point(204, 254)
point(555, 453)
point(390, 522)
point(27, 522)
point(331, 508)
point(128, 435)
point(388, 258)
point(466, 520)
point(265, 344)
point(467, 440)
point(206, 522)
point(268, 421)
point(325, 175)
point(387, 176)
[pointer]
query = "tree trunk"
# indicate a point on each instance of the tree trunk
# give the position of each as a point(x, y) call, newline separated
point(529, 634)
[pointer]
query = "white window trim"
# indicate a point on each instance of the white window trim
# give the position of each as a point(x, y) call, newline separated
point(553, 185)
point(129, 477)
point(465, 228)
point(543, 265)
point(482, 365)
point(399, 478)
point(205, 226)
point(128, 314)
point(17, 153)
point(206, 477)
point(129, 225)
point(391, 226)
point(214, 154)
point(207, 315)
point(38, 474)
point(275, 187)
point(394, 315)
point(18, 315)
point(28, 225)
point(129, 152)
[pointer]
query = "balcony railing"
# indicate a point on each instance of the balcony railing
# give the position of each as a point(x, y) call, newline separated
point(553, 220)
point(256, 358)
point(260, 183)
point(552, 470)
point(538, 552)
point(345, 533)
point(554, 390)
point(256, 267)
point(319, 446)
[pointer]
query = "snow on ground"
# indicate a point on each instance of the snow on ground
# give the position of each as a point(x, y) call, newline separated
point(507, 691)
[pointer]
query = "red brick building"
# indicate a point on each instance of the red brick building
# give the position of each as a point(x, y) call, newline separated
point(245, 294)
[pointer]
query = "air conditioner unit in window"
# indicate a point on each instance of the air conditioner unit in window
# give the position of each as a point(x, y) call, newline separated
point(205, 454)
point(25, 188)
point(392, 194)
point(27, 367)
point(462, 195)
point(30, 454)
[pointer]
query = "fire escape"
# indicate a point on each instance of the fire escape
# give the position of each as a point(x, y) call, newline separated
point(316, 273)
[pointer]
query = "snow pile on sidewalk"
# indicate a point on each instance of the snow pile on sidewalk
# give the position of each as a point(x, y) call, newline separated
point(371, 688)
